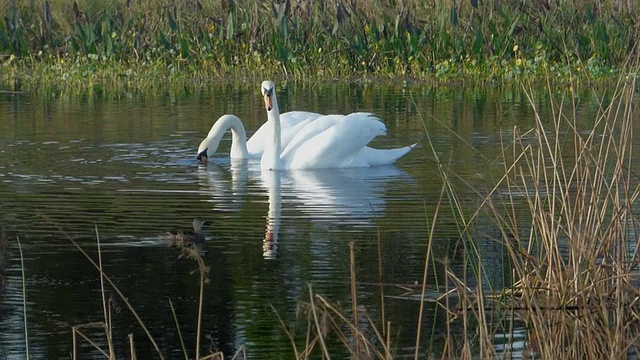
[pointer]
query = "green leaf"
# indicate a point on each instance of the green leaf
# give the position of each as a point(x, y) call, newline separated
point(163, 40)
point(454, 16)
point(230, 26)
point(478, 42)
point(172, 22)
point(184, 48)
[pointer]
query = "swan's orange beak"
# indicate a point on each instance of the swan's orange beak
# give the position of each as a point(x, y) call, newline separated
point(268, 104)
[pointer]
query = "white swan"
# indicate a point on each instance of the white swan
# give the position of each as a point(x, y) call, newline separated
point(331, 141)
point(292, 122)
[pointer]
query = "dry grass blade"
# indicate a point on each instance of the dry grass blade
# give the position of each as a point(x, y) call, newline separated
point(76, 330)
point(574, 280)
point(317, 324)
point(113, 285)
point(175, 319)
point(24, 300)
point(105, 306)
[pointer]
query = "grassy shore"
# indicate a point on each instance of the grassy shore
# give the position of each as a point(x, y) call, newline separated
point(144, 45)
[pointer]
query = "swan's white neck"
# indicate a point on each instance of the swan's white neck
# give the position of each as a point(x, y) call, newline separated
point(238, 137)
point(271, 157)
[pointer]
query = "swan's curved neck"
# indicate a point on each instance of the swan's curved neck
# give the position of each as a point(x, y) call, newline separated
point(238, 137)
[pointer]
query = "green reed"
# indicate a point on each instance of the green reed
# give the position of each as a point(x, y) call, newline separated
point(133, 45)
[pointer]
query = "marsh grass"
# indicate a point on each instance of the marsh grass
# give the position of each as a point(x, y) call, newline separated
point(92, 46)
point(575, 272)
point(564, 210)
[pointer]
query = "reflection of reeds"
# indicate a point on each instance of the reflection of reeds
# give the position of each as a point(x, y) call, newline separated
point(3, 259)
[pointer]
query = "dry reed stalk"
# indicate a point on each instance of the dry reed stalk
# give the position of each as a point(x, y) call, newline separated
point(574, 279)
point(105, 306)
point(175, 319)
point(24, 300)
point(354, 297)
point(320, 334)
point(76, 330)
point(195, 253)
point(425, 271)
point(132, 348)
point(113, 285)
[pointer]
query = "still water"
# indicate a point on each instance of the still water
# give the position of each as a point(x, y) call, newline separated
point(126, 167)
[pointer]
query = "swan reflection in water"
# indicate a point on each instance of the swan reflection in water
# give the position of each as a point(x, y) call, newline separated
point(326, 197)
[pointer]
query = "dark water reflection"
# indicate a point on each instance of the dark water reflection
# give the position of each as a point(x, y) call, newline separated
point(125, 167)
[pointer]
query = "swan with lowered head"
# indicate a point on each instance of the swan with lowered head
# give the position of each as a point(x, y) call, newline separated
point(241, 148)
point(331, 141)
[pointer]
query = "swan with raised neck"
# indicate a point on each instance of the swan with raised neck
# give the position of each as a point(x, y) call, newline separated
point(271, 158)
point(331, 141)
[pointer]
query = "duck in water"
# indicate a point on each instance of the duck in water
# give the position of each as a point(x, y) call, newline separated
point(187, 238)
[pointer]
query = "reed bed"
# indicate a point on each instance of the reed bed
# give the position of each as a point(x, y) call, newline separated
point(566, 214)
point(565, 211)
point(575, 273)
point(143, 45)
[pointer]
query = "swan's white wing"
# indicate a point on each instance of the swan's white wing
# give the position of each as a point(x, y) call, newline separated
point(308, 132)
point(290, 123)
point(335, 146)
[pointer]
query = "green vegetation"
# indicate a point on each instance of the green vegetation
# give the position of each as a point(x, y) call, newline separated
point(149, 46)
point(563, 214)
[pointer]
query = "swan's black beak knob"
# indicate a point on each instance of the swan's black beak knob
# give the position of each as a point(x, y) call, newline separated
point(202, 156)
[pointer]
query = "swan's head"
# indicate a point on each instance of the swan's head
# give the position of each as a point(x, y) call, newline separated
point(202, 153)
point(269, 93)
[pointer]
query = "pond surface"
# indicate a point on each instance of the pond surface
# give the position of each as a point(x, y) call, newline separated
point(126, 167)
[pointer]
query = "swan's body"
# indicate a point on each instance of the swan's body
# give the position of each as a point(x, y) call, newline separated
point(331, 141)
point(241, 148)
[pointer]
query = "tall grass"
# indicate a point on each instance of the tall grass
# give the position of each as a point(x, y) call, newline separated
point(565, 211)
point(575, 267)
point(143, 41)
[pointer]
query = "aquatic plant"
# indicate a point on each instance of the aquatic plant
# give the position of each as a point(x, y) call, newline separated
point(564, 213)
point(138, 45)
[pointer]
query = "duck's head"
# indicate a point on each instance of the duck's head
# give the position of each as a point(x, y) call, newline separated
point(198, 223)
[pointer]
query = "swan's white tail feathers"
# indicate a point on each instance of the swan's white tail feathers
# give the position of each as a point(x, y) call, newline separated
point(378, 157)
